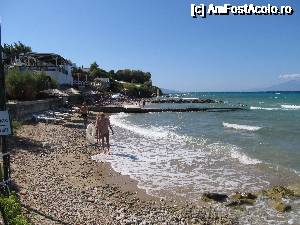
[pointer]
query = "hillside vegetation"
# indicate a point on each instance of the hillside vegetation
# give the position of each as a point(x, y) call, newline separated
point(133, 83)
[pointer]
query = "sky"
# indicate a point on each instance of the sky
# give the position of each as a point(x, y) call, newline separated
point(218, 53)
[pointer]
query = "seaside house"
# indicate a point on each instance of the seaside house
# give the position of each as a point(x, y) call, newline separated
point(80, 77)
point(54, 65)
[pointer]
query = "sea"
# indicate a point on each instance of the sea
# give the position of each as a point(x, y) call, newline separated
point(184, 154)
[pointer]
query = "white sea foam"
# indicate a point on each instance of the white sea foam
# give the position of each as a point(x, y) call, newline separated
point(243, 158)
point(283, 107)
point(190, 98)
point(170, 136)
point(161, 148)
point(241, 127)
point(152, 132)
point(264, 108)
point(159, 158)
point(291, 107)
point(233, 152)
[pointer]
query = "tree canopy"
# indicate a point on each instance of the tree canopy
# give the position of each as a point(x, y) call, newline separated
point(13, 50)
point(94, 66)
point(96, 72)
point(133, 76)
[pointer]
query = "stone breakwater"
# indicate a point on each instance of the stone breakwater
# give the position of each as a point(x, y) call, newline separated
point(182, 100)
point(58, 183)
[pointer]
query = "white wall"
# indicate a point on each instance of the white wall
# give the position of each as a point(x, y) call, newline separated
point(60, 77)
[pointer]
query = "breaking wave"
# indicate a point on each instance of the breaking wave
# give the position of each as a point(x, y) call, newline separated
point(264, 108)
point(152, 131)
point(294, 107)
point(243, 158)
point(283, 107)
point(241, 127)
point(166, 136)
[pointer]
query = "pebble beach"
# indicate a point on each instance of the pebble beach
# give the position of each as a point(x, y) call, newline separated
point(58, 183)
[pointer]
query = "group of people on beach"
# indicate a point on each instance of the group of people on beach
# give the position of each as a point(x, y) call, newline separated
point(102, 127)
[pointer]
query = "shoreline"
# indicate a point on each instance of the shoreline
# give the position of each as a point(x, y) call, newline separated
point(59, 183)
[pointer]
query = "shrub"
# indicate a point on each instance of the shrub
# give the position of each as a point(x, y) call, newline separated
point(10, 206)
point(12, 211)
point(26, 85)
point(1, 173)
point(19, 85)
point(20, 220)
point(43, 82)
point(16, 125)
point(115, 86)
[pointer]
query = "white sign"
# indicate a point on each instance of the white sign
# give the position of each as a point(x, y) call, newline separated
point(5, 128)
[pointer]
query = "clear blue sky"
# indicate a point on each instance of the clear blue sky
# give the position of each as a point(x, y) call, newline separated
point(220, 53)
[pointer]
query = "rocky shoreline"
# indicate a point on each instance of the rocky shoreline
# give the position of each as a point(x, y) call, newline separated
point(58, 183)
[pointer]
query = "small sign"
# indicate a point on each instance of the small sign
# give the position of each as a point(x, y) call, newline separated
point(5, 128)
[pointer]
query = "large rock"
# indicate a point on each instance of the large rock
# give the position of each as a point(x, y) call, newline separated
point(239, 196)
point(214, 196)
point(281, 206)
point(241, 202)
point(295, 189)
point(278, 192)
point(238, 200)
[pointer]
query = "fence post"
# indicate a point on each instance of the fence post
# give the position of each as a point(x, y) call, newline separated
point(3, 141)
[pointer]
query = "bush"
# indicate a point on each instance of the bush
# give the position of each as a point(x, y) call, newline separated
point(43, 82)
point(1, 173)
point(16, 125)
point(12, 211)
point(115, 86)
point(26, 85)
point(19, 85)
point(20, 220)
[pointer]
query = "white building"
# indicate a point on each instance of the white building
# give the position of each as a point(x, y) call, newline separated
point(54, 65)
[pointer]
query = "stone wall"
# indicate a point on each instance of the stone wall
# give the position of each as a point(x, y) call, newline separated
point(24, 110)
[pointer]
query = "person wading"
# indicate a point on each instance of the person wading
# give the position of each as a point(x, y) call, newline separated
point(102, 131)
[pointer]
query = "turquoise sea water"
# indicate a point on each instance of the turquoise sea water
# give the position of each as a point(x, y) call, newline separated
point(276, 114)
point(186, 154)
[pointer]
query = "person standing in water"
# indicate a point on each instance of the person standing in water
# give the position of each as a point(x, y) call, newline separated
point(102, 131)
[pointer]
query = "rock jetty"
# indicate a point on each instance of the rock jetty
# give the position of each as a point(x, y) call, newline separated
point(183, 100)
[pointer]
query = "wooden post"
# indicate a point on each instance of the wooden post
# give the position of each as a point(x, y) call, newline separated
point(3, 141)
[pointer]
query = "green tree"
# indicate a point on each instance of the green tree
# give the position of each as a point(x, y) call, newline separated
point(94, 66)
point(26, 85)
point(133, 76)
point(13, 50)
point(115, 86)
point(98, 73)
